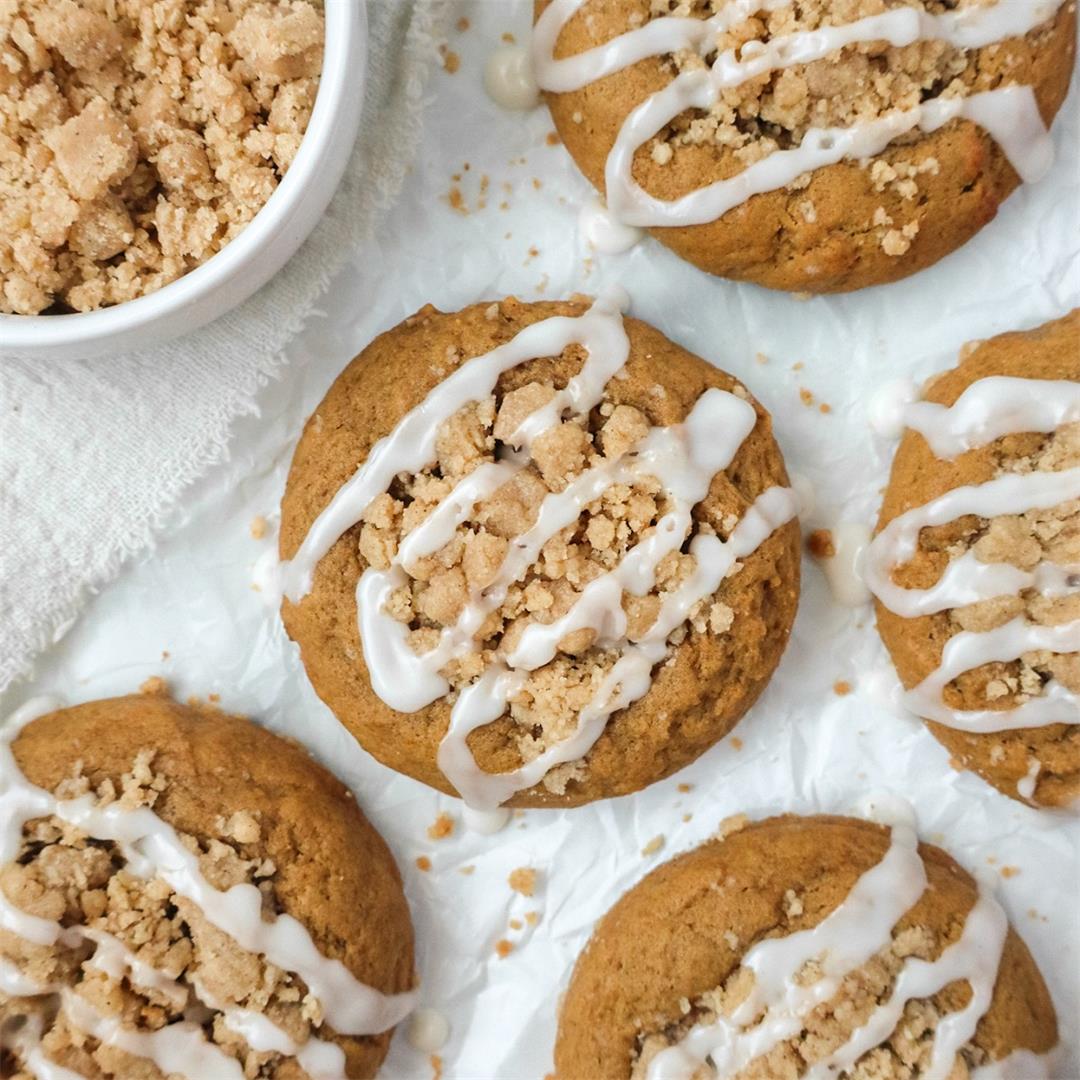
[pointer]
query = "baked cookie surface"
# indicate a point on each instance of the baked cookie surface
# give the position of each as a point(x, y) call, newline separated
point(685, 966)
point(895, 164)
point(185, 893)
point(602, 534)
point(992, 662)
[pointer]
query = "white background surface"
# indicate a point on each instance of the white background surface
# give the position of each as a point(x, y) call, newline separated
point(803, 748)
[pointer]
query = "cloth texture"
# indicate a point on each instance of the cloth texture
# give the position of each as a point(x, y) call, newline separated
point(94, 455)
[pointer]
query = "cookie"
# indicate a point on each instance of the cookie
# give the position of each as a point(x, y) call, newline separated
point(816, 147)
point(806, 947)
point(976, 559)
point(537, 554)
point(184, 893)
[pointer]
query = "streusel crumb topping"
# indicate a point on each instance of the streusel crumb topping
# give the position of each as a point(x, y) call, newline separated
point(137, 139)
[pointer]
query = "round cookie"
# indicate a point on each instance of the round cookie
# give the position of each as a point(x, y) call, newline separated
point(708, 678)
point(671, 957)
point(859, 221)
point(1038, 763)
point(149, 965)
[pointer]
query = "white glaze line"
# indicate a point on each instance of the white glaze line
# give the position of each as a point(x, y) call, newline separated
point(968, 650)
point(410, 447)
point(987, 410)
point(152, 848)
point(1009, 114)
point(843, 942)
point(683, 458)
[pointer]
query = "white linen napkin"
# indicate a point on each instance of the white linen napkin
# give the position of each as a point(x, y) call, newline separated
point(94, 454)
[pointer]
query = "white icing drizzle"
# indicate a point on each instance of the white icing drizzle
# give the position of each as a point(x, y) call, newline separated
point(849, 540)
point(605, 233)
point(1009, 114)
point(1025, 786)
point(987, 410)
point(990, 408)
point(25, 1043)
point(152, 847)
point(180, 1049)
point(777, 1005)
point(509, 79)
point(683, 458)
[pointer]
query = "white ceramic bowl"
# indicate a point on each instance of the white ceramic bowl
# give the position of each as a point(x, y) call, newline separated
point(247, 262)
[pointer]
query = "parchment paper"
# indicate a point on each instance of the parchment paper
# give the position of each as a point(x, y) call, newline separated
point(803, 748)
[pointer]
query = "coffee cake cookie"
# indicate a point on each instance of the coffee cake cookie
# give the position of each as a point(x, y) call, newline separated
point(976, 562)
point(820, 146)
point(807, 947)
point(184, 894)
point(537, 554)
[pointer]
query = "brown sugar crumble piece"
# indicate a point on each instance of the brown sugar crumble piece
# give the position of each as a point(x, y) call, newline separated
point(841, 688)
point(503, 948)
point(653, 846)
point(684, 788)
point(820, 544)
point(441, 827)
point(134, 148)
point(523, 880)
point(451, 62)
point(423, 863)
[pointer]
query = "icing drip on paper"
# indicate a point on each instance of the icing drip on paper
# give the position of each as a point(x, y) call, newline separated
point(842, 943)
point(152, 848)
point(683, 458)
point(987, 410)
point(1010, 114)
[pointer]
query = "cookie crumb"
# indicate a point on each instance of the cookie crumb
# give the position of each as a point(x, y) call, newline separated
point(736, 742)
point(732, 824)
point(515, 924)
point(423, 863)
point(532, 917)
point(1010, 871)
point(841, 688)
point(462, 25)
point(503, 948)
point(468, 871)
point(684, 788)
point(523, 880)
point(654, 845)
point(154, 685)
point(436, 1067)
point(257, 528)
point(441, 827)
point(451, 62)
point(820, 544)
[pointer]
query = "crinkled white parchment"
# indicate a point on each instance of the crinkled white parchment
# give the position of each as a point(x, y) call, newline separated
point(802, 748)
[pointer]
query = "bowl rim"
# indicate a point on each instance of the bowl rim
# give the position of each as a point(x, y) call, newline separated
point(343, 22)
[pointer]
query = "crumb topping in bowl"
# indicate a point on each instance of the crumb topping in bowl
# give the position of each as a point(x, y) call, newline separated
point(136, 141)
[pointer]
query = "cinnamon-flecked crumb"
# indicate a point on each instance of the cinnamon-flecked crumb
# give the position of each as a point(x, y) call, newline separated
point(59, 874)
point(441, 827)
point(1024, 540)
point(136, 141)
point(523, 880)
